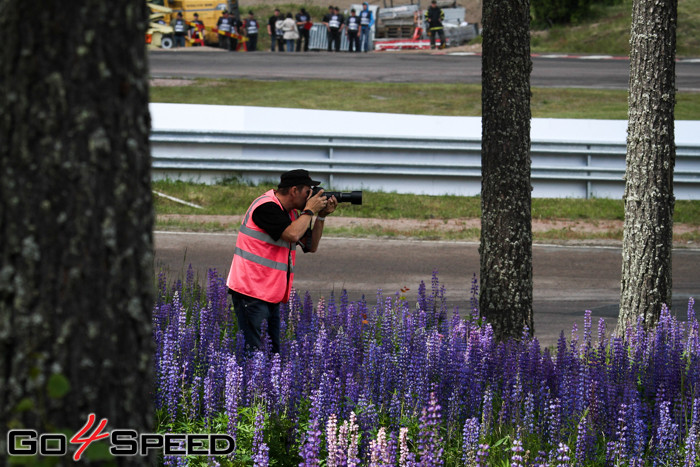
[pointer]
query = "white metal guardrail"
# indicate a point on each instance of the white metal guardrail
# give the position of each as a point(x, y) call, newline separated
point(404, 163)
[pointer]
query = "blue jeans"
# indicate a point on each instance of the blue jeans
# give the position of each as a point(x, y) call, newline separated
point(251, 312)
point(290, 45)
point(364, 39)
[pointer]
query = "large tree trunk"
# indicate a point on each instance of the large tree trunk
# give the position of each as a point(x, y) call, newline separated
point(76, 279)
point(506, 223)
point(651, 154)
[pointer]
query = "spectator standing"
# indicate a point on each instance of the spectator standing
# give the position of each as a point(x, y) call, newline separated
point(281, 44)
point(236, 29)
point(334, 25)
point(326, 22)
point(352, 30)
point(196, 30)
point(434, 17)
point(303, 26)
point(341, 17)
point(251, 30)
point(275, 35)
point(180, 28)
point(225, 25)
point(289, 26)
point(366, 22)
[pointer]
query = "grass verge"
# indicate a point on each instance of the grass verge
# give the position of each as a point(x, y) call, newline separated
point(233, 199)
point(404, 98)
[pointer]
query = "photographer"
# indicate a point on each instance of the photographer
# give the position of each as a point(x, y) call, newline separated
point(262, 270)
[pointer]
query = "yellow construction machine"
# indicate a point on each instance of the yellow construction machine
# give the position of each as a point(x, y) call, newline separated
point(160, 32)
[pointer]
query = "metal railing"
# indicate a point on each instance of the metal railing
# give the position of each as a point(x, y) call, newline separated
point(402, 164)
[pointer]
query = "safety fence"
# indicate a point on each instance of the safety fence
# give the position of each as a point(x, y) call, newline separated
point(403, 164)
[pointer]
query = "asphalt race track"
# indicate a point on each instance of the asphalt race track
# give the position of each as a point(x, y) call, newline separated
point(567, 280)
point(589, 72)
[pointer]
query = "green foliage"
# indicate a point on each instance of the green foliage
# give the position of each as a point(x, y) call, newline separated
point(551, 12)
point(57, 386)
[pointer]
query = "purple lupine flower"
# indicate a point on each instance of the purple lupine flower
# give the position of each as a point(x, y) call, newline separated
point(406, 457)
point(311, 448)
point(516, 460)
point(392, 448)
point(541, 460)
point(583, 441)
point(350, 439)
point(336, 454)
point(234, 383)
point(379, 450)
point(261, 452)
point(552, 418)
point(368, 420)
point(470, 441)
point(482, 455)
point(610, 452)
point(195, 388)
point(529, 413)
point(474, 298)
point(170, 372)
point(651, 376)
point(666, 435)
point(429, 440)
point(621, 445)
point(211, 398)
point(691, 446)
point(257, 373)
point(563, 455)
point(487, 413)
point(601, 332)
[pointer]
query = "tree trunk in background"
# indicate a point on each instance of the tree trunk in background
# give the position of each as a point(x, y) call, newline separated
point(76, 271)
point(506, 224)
point(651, 154)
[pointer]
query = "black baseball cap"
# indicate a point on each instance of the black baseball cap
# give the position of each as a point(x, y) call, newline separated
point(296, 177)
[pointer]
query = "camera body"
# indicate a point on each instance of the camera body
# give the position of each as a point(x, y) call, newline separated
point(353, 197)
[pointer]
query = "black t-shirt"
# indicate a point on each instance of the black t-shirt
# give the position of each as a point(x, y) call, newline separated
point(271, 22)
point(354, 23)
point(272, 219)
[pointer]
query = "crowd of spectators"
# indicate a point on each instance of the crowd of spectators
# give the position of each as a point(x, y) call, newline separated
point(287, 32)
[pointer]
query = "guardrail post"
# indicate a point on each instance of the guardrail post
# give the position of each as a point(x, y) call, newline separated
point(589, 185)
point(330, 166)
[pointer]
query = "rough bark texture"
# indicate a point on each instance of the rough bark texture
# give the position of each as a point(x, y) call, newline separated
point(651, 153)
point(76, 279)
point(506, 235)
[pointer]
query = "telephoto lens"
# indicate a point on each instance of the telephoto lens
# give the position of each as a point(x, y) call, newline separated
point(353, 197)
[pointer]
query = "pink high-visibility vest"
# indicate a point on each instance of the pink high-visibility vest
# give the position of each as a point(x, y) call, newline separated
point(260, 264)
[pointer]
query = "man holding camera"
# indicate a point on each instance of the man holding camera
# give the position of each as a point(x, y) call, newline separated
point(262, 270)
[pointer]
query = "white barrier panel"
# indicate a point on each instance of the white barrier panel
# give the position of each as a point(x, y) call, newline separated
point(393, 152)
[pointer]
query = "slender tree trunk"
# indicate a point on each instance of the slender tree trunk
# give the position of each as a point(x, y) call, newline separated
point(76, 280)
point(651, 154)
point(506, 223)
